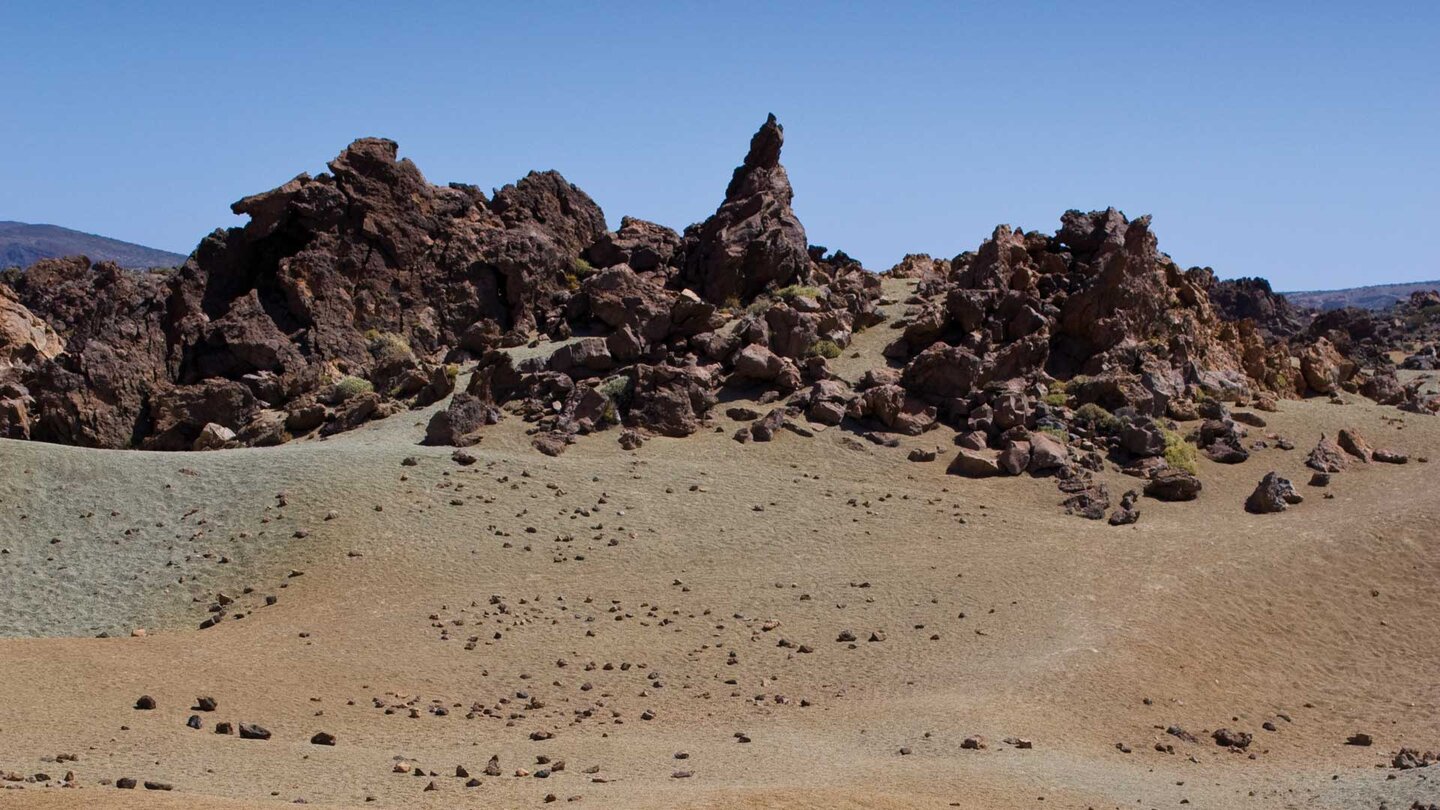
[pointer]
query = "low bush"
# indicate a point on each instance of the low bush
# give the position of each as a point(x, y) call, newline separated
point(1179, 453)
point(350, 387)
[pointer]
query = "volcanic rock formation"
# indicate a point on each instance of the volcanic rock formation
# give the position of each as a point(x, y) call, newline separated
point(362, 291)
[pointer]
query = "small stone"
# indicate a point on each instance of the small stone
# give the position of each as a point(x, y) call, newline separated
point(1232, 739)
point(322, 738)
point(145, 703)
point(251, 731)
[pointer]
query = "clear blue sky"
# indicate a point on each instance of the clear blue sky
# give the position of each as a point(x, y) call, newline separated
point(1297, 141)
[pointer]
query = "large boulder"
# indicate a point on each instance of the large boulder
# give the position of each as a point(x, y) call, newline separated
point(1173, 485)
point(669, 400)
point(643, 246)
point(1354, 444)
point(897, 410)
point(1323, 368)
point(1327, 457)
point(460, 423)
point(1047, 454)
point(975, 464)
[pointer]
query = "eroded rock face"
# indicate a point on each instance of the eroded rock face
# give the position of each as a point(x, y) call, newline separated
point(1252, 299)
point(117, 333)
point(754, 240)
point(25, 339)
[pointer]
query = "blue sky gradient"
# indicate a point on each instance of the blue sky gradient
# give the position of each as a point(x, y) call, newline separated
point(1295, 141)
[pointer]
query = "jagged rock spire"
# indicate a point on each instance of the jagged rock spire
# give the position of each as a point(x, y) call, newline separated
point(754, 240)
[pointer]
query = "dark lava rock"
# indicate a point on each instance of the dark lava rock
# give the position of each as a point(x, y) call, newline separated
point(1272, 494)
point(1232, 739)
point(251, 731)
point(1173, 485)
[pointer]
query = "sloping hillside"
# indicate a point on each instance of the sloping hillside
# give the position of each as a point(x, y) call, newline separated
point(23, 244)
point(1377, 296)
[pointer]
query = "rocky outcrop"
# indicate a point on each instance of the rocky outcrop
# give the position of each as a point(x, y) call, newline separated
point(364, 290)
point(754, 240)
point(1251, 299)
point(1096, 306)
point(367, 273)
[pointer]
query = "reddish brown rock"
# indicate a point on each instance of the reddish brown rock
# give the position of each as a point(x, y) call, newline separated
point(754, 240)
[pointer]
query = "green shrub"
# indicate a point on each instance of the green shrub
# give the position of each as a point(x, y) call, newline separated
point(797, 291)
point(387, 347)
point(828, 349)
point(1059, 434)
point(581, 268)
point(1097, 418)
point(757, 307)
point(1179, 453)
point(350, 387)
point(1056, 399)
point(615, 388)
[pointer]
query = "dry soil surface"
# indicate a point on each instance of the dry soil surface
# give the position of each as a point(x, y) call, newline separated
point(662, 628)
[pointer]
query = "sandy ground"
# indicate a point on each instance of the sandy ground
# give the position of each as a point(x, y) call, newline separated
point(643, 605)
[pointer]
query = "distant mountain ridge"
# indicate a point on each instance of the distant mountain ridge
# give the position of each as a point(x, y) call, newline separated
point(1376, 296)
point(23, 244)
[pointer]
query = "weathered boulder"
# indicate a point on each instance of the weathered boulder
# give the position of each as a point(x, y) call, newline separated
point(459, 424)
point(669, 400)
point(1014, 457)
point(214, 437)
point(1047, 454)
point(644, 246)
point(1173, 485)
point(1354, 444)
point(896, 410)
point(974, 464)
point(180, 414)
point(1323, 367)
point(1327, 457)
point(1272, 494)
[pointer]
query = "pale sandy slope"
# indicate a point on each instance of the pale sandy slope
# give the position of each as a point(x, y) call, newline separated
point(1326, 614)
